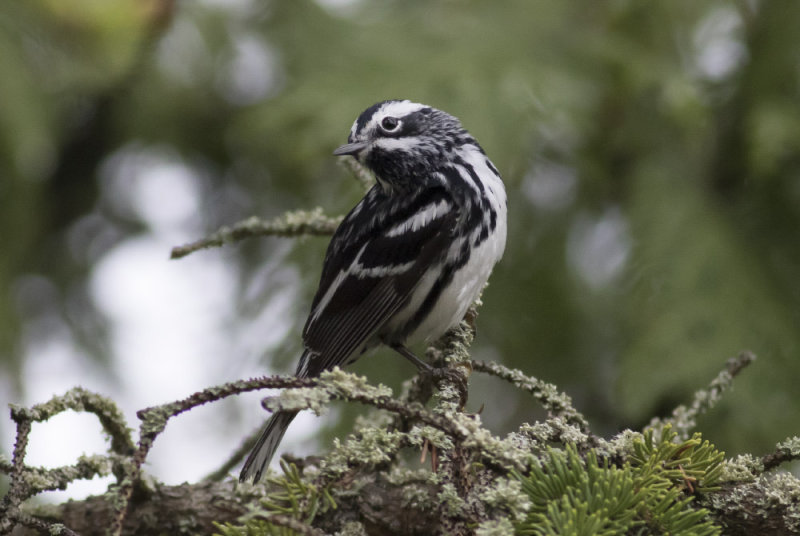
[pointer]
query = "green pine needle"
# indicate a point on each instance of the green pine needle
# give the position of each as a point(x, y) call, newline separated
point(650, 493)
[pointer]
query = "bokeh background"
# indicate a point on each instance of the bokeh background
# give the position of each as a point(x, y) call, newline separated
point(651, 152)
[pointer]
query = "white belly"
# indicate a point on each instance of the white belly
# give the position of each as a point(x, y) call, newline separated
point(469, 280)
point(463, 290)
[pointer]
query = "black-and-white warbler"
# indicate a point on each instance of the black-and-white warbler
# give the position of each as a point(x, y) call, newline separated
point(412, 255)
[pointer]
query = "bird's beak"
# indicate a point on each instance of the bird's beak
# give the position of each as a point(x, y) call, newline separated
point(351, 148)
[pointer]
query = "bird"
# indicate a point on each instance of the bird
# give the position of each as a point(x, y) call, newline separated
point(410, 258)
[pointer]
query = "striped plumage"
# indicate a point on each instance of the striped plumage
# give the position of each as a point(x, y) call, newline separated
point(412, 255)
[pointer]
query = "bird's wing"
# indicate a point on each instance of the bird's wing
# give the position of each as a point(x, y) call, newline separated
point(372, 267)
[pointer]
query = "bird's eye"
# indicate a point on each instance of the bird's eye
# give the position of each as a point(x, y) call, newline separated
point(390, 124)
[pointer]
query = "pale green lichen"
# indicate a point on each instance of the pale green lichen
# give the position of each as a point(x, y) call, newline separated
point(495, 527)
point(506, 494)
point(448, 399)
point(502, 452)
point(539, 433)
point(81, 400)
point(621, 445)
point(291, 223)
point(564, 432)
point(790, 447)
point(316, 399)
point(773, 498)
point(333, 384)
point(85, 468)
point(522, 442)
point(784, 490)
point(435, 437)
point(741, 468)
point(372, 447)
point(452, 504)
point(400, 475)
point(346, 384)
point(534, 438)
point(352, 528)
point(434, 478)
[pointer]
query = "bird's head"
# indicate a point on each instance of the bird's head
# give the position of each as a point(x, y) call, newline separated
point(403, 141)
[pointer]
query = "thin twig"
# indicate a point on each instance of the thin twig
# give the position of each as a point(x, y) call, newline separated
point(340, 385)
point(556, 403)
point(684, 418)
point(79, 399)
point(155, 415)
point(786, 451)
point(26, 481)
point(154, 420)
point(44, 527)
point(19, 489)
point(293, 223)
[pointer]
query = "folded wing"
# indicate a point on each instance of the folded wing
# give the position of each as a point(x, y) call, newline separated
point(364, 284)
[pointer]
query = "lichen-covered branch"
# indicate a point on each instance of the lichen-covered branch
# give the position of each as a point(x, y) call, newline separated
point(293, 223)
point(290, 224)
point(768, 504)
point(79, 399)
point(336, 384)
point(27, 482)
point(785, 451)
point(364, 485)
point(558, 404)
point(684, 419)
point(185, 509)
point(154, 420)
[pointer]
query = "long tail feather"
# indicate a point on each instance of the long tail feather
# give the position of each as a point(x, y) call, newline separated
point(267, 443)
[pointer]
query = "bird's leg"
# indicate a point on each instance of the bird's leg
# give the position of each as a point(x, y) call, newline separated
point(408, 354)
point(455, 375)
point(437, 373)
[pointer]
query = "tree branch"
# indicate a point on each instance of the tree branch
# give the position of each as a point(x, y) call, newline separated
point(556, 403)
point(293, 223)
point(684, 419)
point(785, 451)
point(363, 476)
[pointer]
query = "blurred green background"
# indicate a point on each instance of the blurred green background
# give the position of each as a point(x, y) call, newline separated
point(651, 151)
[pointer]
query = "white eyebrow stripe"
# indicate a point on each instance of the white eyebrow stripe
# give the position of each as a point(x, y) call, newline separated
point(421, 218)
point(399, 109)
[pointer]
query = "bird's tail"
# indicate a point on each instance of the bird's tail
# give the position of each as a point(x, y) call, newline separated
point(265, 447)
